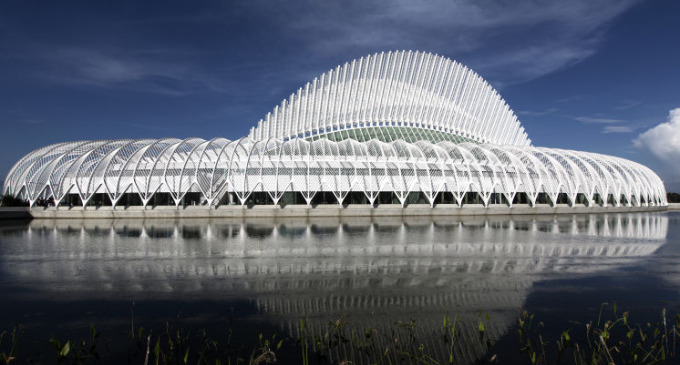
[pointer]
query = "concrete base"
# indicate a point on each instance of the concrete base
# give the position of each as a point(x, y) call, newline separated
point(673, 206)
point(269, 211)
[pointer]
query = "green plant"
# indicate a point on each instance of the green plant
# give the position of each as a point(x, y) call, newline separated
point(673, 197)
point(7, 356)
point(77, 352)
point(10, 201)
point(612, 338)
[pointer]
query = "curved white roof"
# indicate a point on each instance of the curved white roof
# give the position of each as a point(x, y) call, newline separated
point(275, 166)
point(405, 89)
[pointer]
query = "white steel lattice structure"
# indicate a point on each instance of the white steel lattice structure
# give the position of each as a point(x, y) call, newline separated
point(416, 126)
point(399, 89)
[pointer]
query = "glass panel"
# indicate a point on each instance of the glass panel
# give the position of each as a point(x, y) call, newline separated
point(389, 134)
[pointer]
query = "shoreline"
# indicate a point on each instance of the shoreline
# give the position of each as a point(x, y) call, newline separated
point(272, 211)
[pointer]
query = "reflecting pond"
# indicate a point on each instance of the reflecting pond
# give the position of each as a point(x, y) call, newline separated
point(265, 275)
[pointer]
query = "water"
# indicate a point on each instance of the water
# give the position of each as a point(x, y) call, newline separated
point(58, 277)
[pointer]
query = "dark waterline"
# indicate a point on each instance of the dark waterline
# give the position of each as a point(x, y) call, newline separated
point(264, 275)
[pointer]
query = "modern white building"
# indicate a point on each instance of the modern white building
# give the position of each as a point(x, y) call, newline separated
point(391, 128)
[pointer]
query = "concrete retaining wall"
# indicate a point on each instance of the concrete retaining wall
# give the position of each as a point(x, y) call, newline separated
point(321, 211)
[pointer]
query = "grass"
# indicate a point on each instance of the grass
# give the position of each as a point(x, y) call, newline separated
point(613, 338)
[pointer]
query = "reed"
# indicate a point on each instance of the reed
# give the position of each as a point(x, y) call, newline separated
point(613, 338)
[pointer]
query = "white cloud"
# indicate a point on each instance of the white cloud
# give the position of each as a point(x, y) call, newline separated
point(598, 120)
point(275, 42)
point(126, 69)
point(617, 129)
point(663, 141)
point(537, 113)
point(506, 41)
point(610, 125)
point(628, 104)
point(569, 99)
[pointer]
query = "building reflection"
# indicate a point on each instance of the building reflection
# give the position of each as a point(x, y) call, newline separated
point(373, 272)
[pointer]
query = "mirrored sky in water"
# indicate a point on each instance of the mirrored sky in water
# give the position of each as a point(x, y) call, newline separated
point(373, 272)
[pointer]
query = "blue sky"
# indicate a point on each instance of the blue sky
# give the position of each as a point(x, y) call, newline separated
point(592, 75)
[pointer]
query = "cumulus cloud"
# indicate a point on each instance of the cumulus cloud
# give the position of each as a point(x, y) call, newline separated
point(663, 141)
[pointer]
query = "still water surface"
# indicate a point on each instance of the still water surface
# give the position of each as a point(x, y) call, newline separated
point(264, 275)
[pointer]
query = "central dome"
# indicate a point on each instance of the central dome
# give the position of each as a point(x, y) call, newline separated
point(396, 95)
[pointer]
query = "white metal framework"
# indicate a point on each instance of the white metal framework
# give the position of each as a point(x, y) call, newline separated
point(406, 89)
point(245, 166)
point(419, 127)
